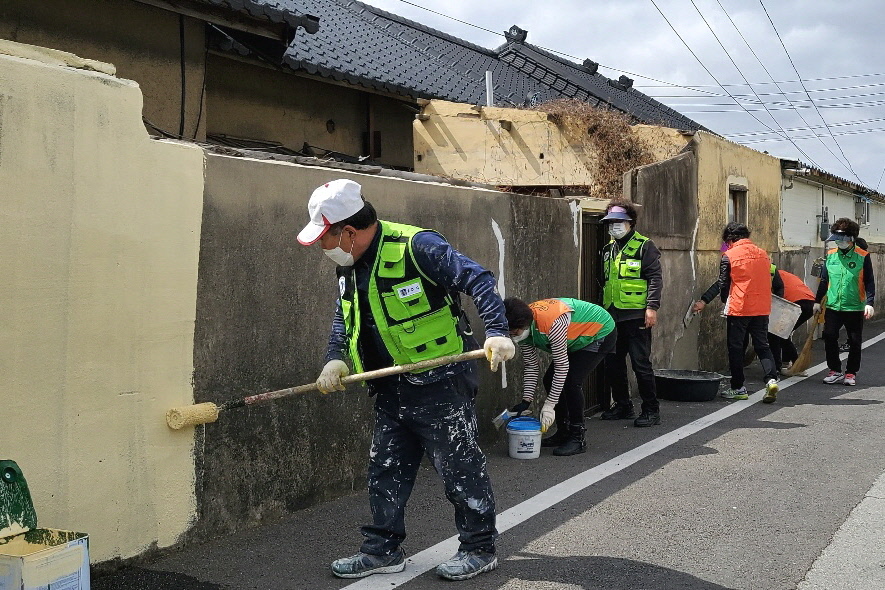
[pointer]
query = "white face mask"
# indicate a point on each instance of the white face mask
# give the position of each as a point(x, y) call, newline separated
point(843, 245)
point(339, 256)
point(618, 230)
point(521, 336)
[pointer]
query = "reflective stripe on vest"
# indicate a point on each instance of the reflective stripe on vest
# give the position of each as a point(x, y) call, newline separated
point(624, 288)
point(750, 293)
point(846, 291)
point(589, 322)
point(416, 319)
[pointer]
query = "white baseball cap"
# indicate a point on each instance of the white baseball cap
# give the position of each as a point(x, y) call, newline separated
point(330, 203)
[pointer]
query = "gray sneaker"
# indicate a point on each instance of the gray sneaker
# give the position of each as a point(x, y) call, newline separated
point(467, 564)
point(363, 564)
point(736, 394)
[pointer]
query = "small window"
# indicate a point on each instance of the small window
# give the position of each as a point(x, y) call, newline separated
point(737, 203)
point(862, 210)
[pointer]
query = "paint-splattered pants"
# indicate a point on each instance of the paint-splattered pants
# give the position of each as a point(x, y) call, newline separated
point(438, 419)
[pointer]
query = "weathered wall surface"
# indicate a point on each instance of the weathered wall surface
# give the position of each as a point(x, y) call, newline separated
point(497, 146)
point(801, 207)
point(669, 215)
point(250, 101)
point(99, 239)
point(685, 207)
point(244, 99)
point(264, 312)
point(140, 40)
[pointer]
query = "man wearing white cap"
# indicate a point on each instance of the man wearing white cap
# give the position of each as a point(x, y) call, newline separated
point(632, 284)
point(399, 303)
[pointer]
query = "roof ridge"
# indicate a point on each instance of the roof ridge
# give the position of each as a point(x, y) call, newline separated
point(416, 25)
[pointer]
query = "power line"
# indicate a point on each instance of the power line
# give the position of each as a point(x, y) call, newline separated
point(744, 39)
point(779, 82)
point(577, 59)
point(758, 120)
point(815, 90)
point(799, 76)
point(843, 124)
point(753, 90)
point(815, 135)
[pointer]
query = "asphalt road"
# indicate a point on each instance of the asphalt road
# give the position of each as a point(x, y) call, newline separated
point(736, 495)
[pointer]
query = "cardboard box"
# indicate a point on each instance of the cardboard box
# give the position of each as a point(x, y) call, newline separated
point(44, 559)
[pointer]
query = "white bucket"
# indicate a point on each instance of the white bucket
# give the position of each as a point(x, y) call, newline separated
point(783, 317)
point(524, 434)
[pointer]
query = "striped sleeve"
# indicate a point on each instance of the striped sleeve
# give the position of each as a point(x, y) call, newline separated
point(532, 367)
point(559, 350)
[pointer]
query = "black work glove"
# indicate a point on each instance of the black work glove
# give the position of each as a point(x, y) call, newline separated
point(521, 407)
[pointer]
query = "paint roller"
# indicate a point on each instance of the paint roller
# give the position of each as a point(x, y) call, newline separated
point(178, 418)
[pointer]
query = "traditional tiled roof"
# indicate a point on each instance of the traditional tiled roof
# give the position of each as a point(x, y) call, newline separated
point(373, 48)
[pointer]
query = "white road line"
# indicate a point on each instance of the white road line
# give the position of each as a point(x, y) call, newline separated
point(429, 558)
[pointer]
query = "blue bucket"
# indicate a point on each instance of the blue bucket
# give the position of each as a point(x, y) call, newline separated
point(524, 433)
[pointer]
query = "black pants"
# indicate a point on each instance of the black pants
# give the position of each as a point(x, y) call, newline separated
point(737, 329)
point(633, 339)
point(782, 349)
point(570, 407)
point(438, 419)
point(853, 322)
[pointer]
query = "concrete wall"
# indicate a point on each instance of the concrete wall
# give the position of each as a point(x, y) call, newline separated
point(265, 305)
point(99, 239)
point(801, 206)
point(684, 210)
point(242, 98)
point(140, 275)
point(251, 101)
point(140, 40)
point(459, 141)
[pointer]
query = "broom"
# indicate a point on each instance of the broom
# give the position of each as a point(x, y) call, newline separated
point(803, 361)
point(178, 418)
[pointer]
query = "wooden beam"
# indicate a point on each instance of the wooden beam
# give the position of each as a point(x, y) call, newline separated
point(224, 18)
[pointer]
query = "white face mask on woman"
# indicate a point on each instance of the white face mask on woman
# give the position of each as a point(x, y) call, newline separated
point(843, 244)
point(339, 256)
point(521, 336)
point(618, 230)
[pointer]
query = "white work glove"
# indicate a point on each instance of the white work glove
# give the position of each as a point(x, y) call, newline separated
point(498, 349)
point(816, 308)
point(548, 417)
point(330, 377)
point(868, 312)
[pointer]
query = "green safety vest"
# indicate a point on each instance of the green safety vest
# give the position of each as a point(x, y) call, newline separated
point(624, 288)
point(416, 318)
point(845, 271)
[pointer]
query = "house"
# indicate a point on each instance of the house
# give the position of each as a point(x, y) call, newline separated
point(334, 78)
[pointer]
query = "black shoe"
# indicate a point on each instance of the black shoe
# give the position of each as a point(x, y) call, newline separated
point(647, 419)
point(575, 443)
point(618, 411)
point(560, 436)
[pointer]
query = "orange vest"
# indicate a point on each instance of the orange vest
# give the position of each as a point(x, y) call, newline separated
point(795, 288)
point(750, 293)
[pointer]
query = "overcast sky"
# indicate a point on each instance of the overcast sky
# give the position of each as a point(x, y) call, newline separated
point(836, 47)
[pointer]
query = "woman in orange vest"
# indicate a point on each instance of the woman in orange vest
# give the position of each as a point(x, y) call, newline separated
point(577, 335)
point(745, 285)
point(795, 291)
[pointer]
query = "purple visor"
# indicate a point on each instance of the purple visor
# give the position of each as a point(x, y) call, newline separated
point(617, 214)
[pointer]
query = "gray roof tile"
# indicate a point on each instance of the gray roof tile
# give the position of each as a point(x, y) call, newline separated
point(377, 49)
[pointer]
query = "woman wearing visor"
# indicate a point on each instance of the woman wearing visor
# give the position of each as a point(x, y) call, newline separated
point(848, 283)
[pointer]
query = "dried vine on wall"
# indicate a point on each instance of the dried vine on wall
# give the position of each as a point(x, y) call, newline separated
point(604, 133)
